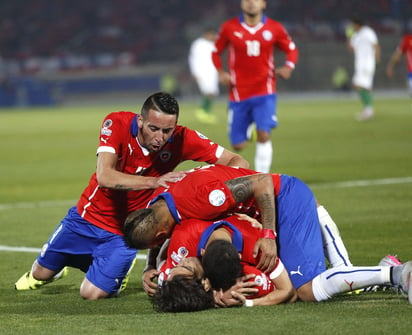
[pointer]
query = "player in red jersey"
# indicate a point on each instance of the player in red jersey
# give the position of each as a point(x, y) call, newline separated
point(251, 40)
point(190, 240)
point(404, 48)
point(136, 154)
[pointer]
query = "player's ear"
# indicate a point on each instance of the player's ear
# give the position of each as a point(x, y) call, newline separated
point(206, 284)
point(240, 255)
point(140, 121)
point(202, 252)
point(161, 236)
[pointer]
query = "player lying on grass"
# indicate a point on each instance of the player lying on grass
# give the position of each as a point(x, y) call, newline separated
point(228, 276)
point(183, 286)
point(217, 191)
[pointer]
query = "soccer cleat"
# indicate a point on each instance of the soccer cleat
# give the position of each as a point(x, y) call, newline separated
point(405, 284)
point(125, 280)
point(390, 260)
point(365, 115)
point(28, 282)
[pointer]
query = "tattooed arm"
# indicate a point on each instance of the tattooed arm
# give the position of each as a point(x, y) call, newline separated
point(260, 187)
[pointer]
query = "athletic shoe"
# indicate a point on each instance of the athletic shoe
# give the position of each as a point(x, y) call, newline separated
point(390, 260)
point(405, 284)
point(126, 278)
point(365, 115)
point(28, 282)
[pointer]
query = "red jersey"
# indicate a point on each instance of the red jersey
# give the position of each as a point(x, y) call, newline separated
point(203, 194)
point(406, 48)
point(108, 208)
point(191, 235)
point(251, 55)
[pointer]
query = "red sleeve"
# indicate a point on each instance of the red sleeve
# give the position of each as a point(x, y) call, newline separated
point(403, 46)
point(112, 132)
point(197, 147)
point(263, 282)
point(220, 45)
point(286, 44)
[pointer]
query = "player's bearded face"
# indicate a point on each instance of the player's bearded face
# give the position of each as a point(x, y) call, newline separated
point(155, 129)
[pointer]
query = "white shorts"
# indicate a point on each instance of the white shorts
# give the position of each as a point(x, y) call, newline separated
point(208, 83)
point(363, 76)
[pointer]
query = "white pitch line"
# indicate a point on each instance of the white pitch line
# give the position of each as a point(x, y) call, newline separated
point(39, 204)
point(37, 250)
point(343, 184)
point(364, 183)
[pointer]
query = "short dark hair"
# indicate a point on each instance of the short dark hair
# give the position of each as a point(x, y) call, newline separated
point(162, 102)
point(357, 20)
point(182, 294)
point(221, 263)
point(138, 228)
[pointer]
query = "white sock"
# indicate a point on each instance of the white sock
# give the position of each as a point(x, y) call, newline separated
point(335, 250)
point(263, 156)
point(348, 278)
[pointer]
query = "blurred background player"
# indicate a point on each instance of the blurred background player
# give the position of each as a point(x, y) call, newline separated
point(251, 38)
point(404, 48)
point(363, 41)
point(205, 73)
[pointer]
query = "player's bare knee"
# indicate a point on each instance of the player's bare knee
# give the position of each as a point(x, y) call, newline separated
point(239, 146)
point(88, 291)
point(305, 293)
point(263, 136)
point(41, 273)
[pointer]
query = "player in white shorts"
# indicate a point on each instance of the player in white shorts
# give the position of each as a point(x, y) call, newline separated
point(205, 73)
point(363, 41)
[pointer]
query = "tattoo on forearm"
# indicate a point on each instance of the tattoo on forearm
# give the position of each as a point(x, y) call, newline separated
point(122, 188)
point(265, 202)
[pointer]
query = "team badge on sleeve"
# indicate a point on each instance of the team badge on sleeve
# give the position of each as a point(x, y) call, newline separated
point(105, 129)
point(201, 135)
point(217, 198)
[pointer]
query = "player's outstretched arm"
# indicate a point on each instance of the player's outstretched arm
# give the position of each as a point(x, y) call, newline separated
point(109, 177)
point(260, 187)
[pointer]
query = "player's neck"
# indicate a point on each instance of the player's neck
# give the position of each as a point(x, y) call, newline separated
point(252, 20)
point(220, 234)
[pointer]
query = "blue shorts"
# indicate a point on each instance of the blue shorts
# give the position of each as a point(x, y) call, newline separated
point(104, 256)
point(410, 80)
point(259, 110)
point(299, 236)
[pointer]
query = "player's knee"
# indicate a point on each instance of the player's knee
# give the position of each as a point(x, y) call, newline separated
point(263, 136)
point(305, 293)
point(240, 146)
point(88, 291)
point(41, 273)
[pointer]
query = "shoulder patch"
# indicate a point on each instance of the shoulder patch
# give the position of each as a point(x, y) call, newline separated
point(217, 198)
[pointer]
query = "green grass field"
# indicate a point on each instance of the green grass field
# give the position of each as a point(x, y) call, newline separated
point(361, 172)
